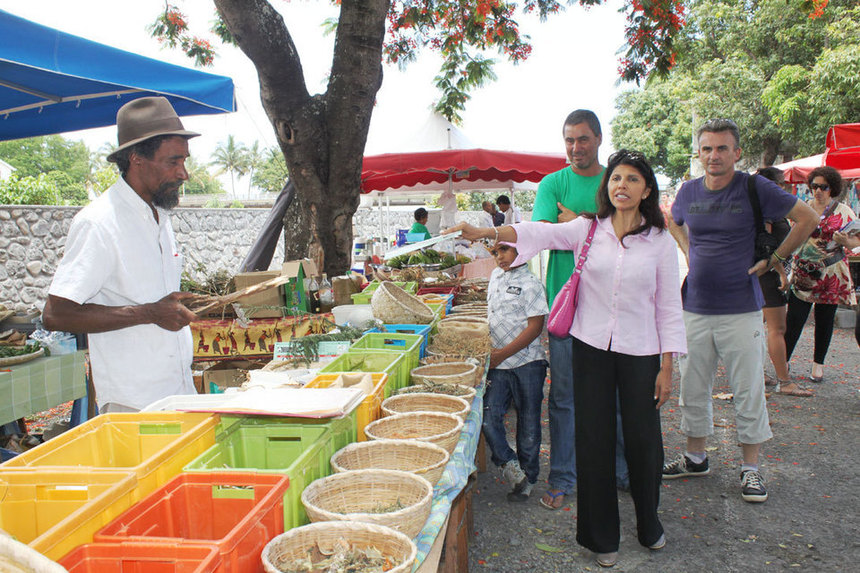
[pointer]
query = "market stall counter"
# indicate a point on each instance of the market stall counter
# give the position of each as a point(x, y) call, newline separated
point(40, 384)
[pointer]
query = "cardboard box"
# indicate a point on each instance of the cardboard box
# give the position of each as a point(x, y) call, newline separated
point(295, 294)
point(254, 304)
point(227, 374)
point(343, 288)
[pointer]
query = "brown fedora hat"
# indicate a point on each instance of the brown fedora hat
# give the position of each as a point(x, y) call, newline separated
point(145, 118)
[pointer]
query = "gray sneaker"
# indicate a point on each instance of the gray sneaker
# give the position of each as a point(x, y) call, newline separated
point(514, 476)
point(752, 487)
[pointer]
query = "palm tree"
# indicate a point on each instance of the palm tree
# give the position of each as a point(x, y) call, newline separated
point(231, 157)
point(254, 158)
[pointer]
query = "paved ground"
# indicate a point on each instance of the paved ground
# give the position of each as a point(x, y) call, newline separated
point(810, 522)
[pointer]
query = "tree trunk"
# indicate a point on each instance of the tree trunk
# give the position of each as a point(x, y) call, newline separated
point(322, 137)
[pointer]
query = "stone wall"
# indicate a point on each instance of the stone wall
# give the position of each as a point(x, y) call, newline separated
point(33, 237)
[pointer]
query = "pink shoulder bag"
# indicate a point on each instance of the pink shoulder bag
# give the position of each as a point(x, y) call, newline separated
point(564, 305)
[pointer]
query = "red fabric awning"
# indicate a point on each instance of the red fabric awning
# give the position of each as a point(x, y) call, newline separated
point(397, 170)
point(843, 146)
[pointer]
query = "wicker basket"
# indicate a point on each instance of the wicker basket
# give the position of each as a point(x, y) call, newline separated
point(420, 458)
point(440, 429)
point(296, 543)
point(424, 402)
point(354, 496)
point(462, 373)
point(464, 326)
point(467, 393)
point(478, 361)
point(393, 305)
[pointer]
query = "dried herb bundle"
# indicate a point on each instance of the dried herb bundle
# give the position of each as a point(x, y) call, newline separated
point(342, 558)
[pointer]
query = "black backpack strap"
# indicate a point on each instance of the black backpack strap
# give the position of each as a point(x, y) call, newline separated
point(756, 207)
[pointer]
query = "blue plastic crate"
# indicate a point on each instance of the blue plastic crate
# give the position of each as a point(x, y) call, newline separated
point(422, 329)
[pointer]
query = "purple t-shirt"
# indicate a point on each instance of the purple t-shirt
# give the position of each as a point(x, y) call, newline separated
point(722, 242)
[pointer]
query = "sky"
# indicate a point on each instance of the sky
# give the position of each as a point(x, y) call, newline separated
point(573, 65)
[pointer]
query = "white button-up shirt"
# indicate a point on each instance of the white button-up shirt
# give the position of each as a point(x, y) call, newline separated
point(116, 254)
point(629, 299)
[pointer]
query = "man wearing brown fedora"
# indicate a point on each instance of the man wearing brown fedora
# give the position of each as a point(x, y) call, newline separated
point(119, 277)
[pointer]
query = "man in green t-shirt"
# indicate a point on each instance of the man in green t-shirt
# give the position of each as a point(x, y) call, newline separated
point(420, 224)
point(561, 197)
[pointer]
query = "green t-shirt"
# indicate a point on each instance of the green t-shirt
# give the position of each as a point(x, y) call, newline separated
point(419, 228)
point(575, 192)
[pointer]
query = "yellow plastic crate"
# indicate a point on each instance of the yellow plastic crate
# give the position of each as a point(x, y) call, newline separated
point(155, 446)
point(54, 510)
point(370, 408)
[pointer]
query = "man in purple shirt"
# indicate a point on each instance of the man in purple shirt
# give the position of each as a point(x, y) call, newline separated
point(713, 223)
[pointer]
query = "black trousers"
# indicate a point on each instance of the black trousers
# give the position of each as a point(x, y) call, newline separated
point(597, 376)
point(825, 319)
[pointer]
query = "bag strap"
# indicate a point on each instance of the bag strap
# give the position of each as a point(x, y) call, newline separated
point(583, 253)
point(756, 206)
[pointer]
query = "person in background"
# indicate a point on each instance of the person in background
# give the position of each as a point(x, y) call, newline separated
point(713, 222)
point(562, 196)
point(511, 213)
point(448, 203)
point(773, 285)
point(627, 326)
point(516, 307)
point(492, 218)
point(119, 277)
point(420, 224)
point(819, 270)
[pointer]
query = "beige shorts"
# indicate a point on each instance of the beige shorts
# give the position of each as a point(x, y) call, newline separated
point(736, 340)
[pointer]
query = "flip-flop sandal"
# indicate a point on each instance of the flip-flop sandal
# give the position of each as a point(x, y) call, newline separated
point(816, 379)
point(554, 495)
point(797, 393)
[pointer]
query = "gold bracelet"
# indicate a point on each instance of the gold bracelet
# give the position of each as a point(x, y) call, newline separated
point(496, 229)
point(779, 257)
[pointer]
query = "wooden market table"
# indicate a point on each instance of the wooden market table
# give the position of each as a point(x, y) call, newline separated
point(40, 384)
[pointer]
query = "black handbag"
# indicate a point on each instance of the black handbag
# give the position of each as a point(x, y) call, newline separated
point(765, 243)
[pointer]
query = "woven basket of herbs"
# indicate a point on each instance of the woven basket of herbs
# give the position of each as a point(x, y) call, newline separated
point(393, 305)
point(421, 458)
point(462, 373)
point(426, 402)
point(434, 427)
point(479, 362)
point(397, 499)
point(467, 393)
point(339, 546)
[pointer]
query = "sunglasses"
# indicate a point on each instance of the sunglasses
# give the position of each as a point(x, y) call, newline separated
point(628, 154)
point(821, 186)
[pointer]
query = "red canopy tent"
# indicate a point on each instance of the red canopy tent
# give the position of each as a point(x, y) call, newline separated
point(461, 168)
point(842, 152)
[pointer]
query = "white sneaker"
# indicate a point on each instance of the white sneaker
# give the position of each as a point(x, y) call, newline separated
point(514, 476)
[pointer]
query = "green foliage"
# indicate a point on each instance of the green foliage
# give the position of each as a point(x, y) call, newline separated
point(71, 192)
point(200, 181)
point(213, 204)
point(272, 173)
point(231, 157)
point(36, 155)
point(524, 200)
point(103, 178)
point(236, 205)
point(17, 190)
point(784, 70)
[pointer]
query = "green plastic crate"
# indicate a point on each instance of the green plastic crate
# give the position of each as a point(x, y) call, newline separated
point(299, 451)
point(409, 344)
point(390, 362)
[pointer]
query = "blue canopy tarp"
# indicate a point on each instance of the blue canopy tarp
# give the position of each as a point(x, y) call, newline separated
point(52, 82)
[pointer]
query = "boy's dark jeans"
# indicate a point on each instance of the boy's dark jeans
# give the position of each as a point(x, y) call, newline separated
point(524, 387)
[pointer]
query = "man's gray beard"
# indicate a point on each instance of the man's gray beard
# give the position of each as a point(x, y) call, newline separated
point(166, 196)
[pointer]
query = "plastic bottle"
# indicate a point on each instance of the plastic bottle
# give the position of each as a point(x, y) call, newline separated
point(326, 294)
point(314, 294)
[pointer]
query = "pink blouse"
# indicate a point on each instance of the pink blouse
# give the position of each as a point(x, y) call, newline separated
point(629, 298)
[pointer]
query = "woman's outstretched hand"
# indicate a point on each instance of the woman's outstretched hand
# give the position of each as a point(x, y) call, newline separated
point(470, 232)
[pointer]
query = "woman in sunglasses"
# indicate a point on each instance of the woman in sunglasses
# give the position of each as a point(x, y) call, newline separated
point(628, 324)
point(819, 270)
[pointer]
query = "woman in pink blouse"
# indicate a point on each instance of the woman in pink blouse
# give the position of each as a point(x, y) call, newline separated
point(627, 326)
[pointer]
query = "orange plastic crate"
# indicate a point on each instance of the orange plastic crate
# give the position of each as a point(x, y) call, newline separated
point(239, 512)
point(370, 408)
point(54, 511)
point(142, 558)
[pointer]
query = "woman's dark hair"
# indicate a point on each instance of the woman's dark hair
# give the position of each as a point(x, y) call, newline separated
point(650, 205)
point(420, 213)
point(833, 178)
